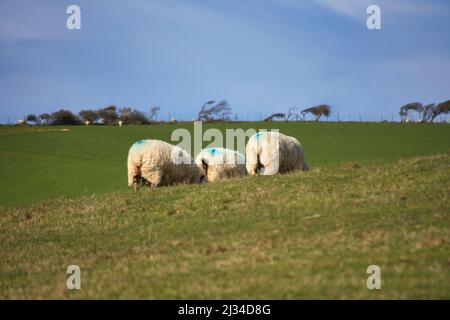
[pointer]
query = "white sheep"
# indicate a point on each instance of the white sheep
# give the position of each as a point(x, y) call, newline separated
point(268, 153)
point(219, 163)
point(157, 163)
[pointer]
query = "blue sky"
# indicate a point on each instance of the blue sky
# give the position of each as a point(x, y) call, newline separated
point(263, 56)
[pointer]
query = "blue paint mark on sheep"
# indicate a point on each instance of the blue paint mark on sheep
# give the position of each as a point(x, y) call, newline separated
point(258, 135)
point(212, 151)
point(139, 144)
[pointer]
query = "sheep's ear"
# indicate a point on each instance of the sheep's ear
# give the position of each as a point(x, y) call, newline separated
point(204, 165)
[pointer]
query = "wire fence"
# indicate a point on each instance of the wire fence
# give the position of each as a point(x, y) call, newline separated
point(334, 117)
point(352, 117)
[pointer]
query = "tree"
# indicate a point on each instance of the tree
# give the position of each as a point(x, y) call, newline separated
point(274, 116)
point(64, 117)
point(154, 113)
point(32, 118)
point(108, 114)
point(413, 106)
point(213, 111)
point(45, 118)
point(325, 110)
point(292, 114)
point(428, 112)
point(317, 111)
point(442, 108)
point(137, 117)
point(132, 116)
point(124, 114)
point(89, 115)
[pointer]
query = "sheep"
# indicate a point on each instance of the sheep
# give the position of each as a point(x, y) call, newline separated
point(158, 163)
point(269, 153)
point(219, 163)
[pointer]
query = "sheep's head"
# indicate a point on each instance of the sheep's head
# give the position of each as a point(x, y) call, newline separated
point(202, 168)
point(146, 183)
point(194, 173)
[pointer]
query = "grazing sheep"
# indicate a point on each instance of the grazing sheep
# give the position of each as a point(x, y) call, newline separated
point(157, 163)
point(219, 163)
point(269, 153)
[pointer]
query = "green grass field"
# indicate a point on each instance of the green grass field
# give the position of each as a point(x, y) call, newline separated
point(378, 193)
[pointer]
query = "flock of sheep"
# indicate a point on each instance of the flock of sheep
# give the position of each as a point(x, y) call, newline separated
point(156, 163)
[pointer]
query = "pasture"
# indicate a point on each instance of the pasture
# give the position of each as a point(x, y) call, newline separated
point(40, 163)
point(378, 193)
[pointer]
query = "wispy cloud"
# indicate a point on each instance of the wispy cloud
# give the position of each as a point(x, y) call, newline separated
point(356, 9)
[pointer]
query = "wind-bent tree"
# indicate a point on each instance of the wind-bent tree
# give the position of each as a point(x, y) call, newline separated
point(413, 106)
point(32, 118)
point(318, 111)
point(213, 111)
point(428, 112)
point(45, 118)
point(442, 108)
point(325, 110)
point(280, 116)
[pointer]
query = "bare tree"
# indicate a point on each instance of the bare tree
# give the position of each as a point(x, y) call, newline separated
point(292, 114)
point(154, 113)
point(213, 111)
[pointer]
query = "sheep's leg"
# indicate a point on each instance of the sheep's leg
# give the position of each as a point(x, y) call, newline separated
point(270, 169)
point(136, 183)
point(252, 169)
point(259, 168)
point(251, 161)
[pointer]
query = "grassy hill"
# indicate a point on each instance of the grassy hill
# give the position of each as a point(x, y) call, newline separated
point(376, 194)
point(292, 236)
